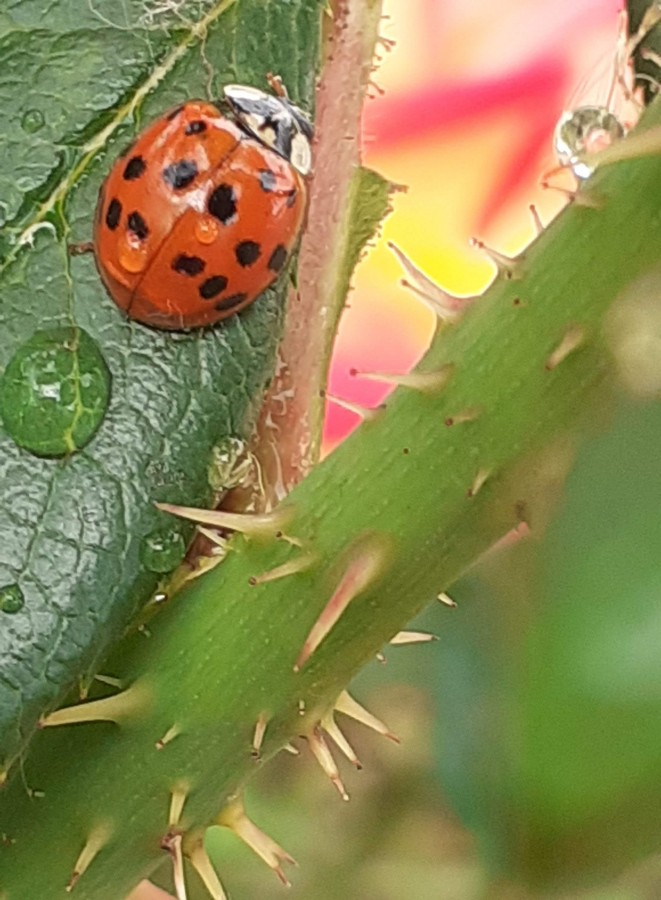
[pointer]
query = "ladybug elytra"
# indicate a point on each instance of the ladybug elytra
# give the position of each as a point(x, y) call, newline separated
point(200, 216)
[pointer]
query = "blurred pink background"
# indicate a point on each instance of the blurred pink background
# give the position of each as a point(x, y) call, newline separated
point(471, 95)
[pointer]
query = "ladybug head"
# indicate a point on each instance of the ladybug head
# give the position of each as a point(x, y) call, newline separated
point(275, 122)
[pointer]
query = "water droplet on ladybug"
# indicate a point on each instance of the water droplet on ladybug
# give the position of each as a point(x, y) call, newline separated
point(132, 255)
point(206, 230)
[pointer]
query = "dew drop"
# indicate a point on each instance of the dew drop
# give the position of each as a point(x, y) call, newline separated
point(586, 129)
point(161, 551)
point(54, 392)
point(206, 230)
point(132, 254)
point(32, 121)
point(11, 598)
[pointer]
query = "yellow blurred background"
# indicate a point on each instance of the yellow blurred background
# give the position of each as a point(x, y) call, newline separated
point(461, 114)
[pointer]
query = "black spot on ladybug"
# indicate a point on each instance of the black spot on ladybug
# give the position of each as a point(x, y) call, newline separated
point(212, 287)
point(247, 253)
point(188, 265)
point(267, 180)
point(291, 197)
point(278, 258)
point(195, 127)
point(180, 174)
point(113, 213)
point(231, 302)
point(134, 168)
point(137, 225)
point(175, 112)
point(222, 203)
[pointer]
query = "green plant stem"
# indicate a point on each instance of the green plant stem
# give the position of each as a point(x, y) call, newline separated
point(221, 654)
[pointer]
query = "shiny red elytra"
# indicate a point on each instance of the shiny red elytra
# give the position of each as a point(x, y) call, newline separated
point(201, 214)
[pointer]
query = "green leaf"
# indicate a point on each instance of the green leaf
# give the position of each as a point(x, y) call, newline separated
point(80, 536)
point(552, 733)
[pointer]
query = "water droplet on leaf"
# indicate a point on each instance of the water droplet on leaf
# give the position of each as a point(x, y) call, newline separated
point(11, 598)
point(162, 550)
point(55, 391)
point(32, 121)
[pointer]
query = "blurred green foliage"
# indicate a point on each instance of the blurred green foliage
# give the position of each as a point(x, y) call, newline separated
point(531, 731)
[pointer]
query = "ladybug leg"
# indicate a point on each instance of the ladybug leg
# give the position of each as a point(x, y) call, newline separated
point(79, 249)
point(277, 85)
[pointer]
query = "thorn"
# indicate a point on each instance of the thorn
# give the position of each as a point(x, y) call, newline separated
point(177, 801)
point(300, 563)
point(446, 306)
point(234, 817)
point(212, 535)
point(586, 197)
point(478, 482)
point(366, 564)
point(98, 838)
point(381, 658)
point(446, 601)
point(427, 382)
point(387, 43)
point(301, 707)
point(116, 709)
point(412, 637)
point(199, 859)
point(367, 415)
point(324, 757)
point(265, 525)
point(346, 704)
point(288, 539)
point(507, 267)
point(110, 680)
point(570, 342)
point(546, 185)
point(172, 732)
point(258, 737)
point(468, 415)
point(330, 726)
point(536, 218)
point(173, 846)
point(291, 749)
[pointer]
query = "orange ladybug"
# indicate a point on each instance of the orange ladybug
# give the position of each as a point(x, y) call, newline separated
point(200, 216)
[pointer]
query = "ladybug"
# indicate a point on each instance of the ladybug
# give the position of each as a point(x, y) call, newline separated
point(200, 216)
